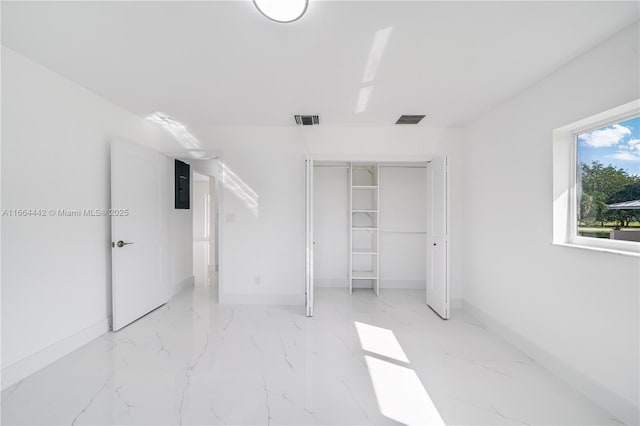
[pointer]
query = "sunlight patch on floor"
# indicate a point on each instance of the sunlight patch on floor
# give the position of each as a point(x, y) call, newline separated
point(399, 392)
point(380, 341)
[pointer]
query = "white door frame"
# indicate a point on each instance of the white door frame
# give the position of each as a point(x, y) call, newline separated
point(364, 158)
point(308, 250)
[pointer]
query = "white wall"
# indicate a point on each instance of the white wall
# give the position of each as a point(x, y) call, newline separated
point(403, 220)
point(576, 311)
point(261, 216)
point(56, 270)
point(262, 256)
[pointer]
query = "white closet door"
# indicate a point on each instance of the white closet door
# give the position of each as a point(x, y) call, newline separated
point(309, 236)
point(437, 270)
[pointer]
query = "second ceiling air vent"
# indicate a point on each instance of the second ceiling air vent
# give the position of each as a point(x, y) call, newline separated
point(409, 119)
point(307, 120)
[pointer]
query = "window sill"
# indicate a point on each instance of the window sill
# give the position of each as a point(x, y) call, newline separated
point(599, 249)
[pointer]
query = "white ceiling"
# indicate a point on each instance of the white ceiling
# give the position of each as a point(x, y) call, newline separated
point(223, 63)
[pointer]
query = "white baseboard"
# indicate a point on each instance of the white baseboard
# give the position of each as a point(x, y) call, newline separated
point(262, 299)
point(17, 371)
point(362, 284)
point(188, 282)
point(456, 303)
point(404, 284)
point(329, 283)
point(621, 408)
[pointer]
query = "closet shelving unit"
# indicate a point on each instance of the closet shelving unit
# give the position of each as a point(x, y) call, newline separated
point(363, 223)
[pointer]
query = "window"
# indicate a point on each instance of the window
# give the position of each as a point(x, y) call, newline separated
point(608, 181)
point(597, 181)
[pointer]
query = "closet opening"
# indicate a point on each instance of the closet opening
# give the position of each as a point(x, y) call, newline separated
point(371, 228)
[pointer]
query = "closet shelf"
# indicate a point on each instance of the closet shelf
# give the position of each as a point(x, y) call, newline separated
point(402, 232)
point(364, 275)
point(364, 251)
point(364, 222)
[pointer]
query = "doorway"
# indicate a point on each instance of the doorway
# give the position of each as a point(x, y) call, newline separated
point(204, 231)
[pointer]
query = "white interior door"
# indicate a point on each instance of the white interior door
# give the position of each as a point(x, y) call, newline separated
point(138, 284)
point(437, 253)
point(309, 236)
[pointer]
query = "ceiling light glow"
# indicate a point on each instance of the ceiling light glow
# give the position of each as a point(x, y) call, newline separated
point(283, 11)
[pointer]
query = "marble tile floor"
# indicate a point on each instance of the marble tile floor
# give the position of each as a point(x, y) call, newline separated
point(360, 360)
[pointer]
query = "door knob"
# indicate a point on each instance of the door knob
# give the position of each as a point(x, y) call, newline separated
point(434, 244)
point(122, 243)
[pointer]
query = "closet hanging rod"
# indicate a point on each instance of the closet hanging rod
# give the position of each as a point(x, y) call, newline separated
point(328, 166)
point(403, 232)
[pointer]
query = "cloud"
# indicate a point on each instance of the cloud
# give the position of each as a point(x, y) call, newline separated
point(624, 156)
point(634, 145)
point(606, 137)
point(627, 151)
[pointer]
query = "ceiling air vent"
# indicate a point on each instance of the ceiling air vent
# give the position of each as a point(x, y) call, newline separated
point(307, 120)
point(409, 119)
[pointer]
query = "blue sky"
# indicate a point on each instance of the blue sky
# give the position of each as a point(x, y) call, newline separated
point(618, 145)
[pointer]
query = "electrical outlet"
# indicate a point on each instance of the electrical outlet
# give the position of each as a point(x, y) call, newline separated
point(256, 280)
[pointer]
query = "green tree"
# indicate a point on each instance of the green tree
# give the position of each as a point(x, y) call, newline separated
point(593, 208)
point(605, 179)
point(599, 183)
